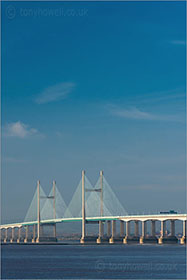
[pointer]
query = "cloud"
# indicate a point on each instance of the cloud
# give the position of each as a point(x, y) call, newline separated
point(19, 130)
point(136, 114)
point(155, 97)
point(13, 160)
point(133, 113)
point(178, 42)
point(55, 93)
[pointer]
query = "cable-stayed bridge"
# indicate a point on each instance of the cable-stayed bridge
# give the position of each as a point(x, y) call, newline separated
point(90, 204)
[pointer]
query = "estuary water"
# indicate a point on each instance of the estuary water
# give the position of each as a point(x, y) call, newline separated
point(93, 261)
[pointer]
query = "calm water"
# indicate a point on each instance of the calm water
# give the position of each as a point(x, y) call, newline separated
point(93, 262)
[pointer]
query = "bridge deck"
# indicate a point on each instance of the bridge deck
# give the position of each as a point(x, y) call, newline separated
point(159, 217)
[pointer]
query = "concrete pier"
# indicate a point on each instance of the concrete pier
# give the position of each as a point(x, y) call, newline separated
point(101, 232)
point(6, 236)
point(183, 239)
point(19, 235)
point(111, 240)
point(13, 236)
point(144, 231)
point(163, 232)
point(26, 234)
point(2, 235)
point(125, 240)
point(34, 234)
point(101, 229)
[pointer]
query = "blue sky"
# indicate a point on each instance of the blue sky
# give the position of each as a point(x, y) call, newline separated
point(99, 87)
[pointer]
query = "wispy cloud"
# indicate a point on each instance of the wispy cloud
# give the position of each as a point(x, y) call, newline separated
point(13, 160)
point(19, 130)
point(55, 93)
point(175, 95)
point(136, 114)
point(178, 42)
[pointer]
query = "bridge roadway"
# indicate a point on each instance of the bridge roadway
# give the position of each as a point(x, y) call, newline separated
point(111, 237)
point(141, 218)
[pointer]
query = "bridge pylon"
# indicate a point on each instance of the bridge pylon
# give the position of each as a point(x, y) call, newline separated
point(83, 208)
point(40, 226)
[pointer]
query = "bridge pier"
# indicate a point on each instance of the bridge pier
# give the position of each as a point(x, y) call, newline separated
point(34, 234)
point(26, 234)
point(163, 232)
point(13, 235)
point(183, 239)
point(144, 232)
point(6, 236)
point(101, 232)
point(54, 231)
point(111, 240)
point(125, 240)
point(2, 234)
point(19, 235)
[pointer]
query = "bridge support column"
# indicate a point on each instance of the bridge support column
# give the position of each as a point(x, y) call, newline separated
point(125, 240)
point(19, 235)
point(101, 232)
point(136, 228)
point(163, 232)
point(34, 234)
point(111, 240)
point(144, 231)
point(54, 231)
point(121, 228)
point(6, 235)
point(13, 235)
point(183, 239)
point(26, 234)
point(109, 229)
point(2, 234)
